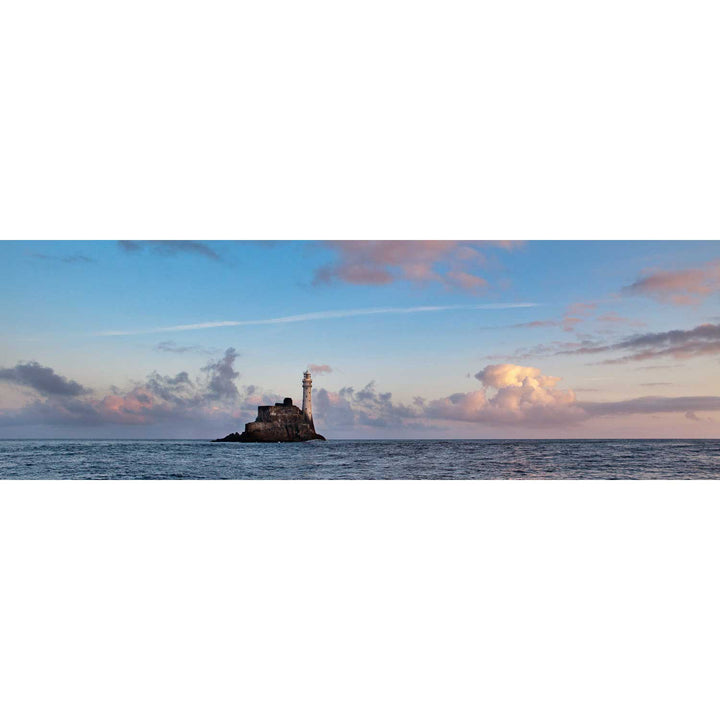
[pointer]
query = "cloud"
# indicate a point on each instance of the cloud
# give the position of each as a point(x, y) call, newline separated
point(322, 315)
point(580, 312)
point(75, 258)
point(366, 408)
point(523, 395)
point(452, 264)
point(584, 342)
point(510, 395)
point(513, 395)
point(615, 319)
point(169, 247)
point(536, 323)
point(210, 404)
point(177, 389)
point(657, 367)
point(556, 347)
point(130, 246)
point(465, 281)
point(575, 314)
point(652, 405)
point(569, 323)
point(581, 308)
point(320, 369)
point(174, 399)
point(221, 376)
point(172, 347)
point(678, 287)
point(678, 344)
point(43, 380)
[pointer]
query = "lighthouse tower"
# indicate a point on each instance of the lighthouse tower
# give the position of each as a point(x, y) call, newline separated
point(307, 396)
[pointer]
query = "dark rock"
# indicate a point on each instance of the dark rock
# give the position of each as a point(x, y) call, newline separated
point(282, 422)
point(232, 437)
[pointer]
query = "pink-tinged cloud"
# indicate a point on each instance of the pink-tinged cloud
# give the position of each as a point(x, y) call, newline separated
point(507, 375)
point(320, 369)
point(581, 308)
point(504, 244)
point(466, 281)
point(570, 323)
point(678, 287)
point(536, 323)
point(679, 344)
point(133, 408)
point(450, 263)
point(575, 314)
point(511, 396)
point(160, 398)
point(578, 313)
point(514, 396)
point(615, 319)
point(523, 395)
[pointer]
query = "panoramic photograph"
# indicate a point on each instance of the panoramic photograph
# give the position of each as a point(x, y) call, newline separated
point(371, 360)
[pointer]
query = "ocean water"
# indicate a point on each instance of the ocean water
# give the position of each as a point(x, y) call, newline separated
point(362, 460)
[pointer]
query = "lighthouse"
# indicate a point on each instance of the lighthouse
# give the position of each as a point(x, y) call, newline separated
point(281, 422)
point(307, 396)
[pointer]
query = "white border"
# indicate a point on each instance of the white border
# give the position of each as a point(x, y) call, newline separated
point(392, 119)
point(324, 600)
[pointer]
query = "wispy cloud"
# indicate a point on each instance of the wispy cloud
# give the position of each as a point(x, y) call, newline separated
point(320, 369)
point(323, 315)
point(654, 404)
point(73, 259)
point(172, 347)
point(581, 312)
point(677, 344)
point(169, 247)
point(615, 319)
point(678, 287)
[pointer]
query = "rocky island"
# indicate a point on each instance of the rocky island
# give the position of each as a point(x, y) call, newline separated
point(282, 422)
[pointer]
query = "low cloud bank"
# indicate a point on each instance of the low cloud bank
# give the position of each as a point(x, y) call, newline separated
point(210, 396)
point(513, 396)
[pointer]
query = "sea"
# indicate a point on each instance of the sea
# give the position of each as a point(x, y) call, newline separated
point(361, 460)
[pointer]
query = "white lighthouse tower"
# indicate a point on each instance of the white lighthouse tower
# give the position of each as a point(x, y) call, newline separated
point(307, 396)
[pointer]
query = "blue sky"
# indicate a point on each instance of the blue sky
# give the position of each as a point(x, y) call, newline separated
point(99, 314)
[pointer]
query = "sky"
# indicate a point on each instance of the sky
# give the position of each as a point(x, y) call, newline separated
point(421, 339)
